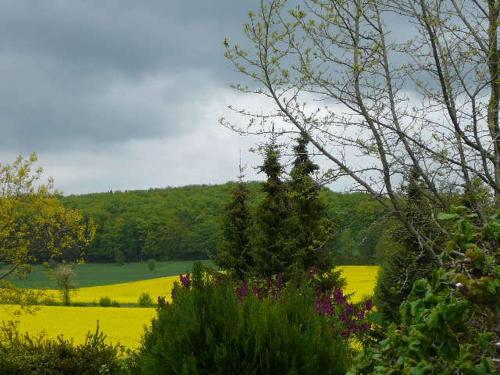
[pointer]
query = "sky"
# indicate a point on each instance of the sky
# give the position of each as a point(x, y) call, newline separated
point(122, 94)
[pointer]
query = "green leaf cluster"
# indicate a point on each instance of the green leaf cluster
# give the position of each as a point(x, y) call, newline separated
point(434, 336)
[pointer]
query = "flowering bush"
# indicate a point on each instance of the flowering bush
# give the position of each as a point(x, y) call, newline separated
point(213, 326)
point(346, 317)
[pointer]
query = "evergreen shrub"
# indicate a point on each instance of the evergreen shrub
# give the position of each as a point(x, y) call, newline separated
point(210, 329)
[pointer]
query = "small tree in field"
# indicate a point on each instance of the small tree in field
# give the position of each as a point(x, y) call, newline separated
point(119, 257)
point(64, 276)
point(151, 264)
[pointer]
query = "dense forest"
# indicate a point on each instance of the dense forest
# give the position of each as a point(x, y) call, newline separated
point(185, 222)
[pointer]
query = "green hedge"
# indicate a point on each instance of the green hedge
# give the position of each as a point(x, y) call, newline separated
point(21, 354)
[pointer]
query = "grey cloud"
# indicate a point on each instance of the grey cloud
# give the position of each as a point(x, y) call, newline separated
point(125, 35)
point(87, 73)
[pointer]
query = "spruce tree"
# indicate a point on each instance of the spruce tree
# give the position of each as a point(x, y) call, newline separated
point(311, 226)
point(234, 252)
point(272, 249)
point(405, 261)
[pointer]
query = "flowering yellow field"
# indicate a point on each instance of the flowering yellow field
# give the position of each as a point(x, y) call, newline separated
point(360, 281)
point(125, 292)
point(125, 324)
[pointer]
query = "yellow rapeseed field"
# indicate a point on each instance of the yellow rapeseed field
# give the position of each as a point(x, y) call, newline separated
point(360, 280)
point(124, 292)
point(125, 324)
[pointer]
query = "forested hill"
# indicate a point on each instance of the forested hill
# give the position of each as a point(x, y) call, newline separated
point(184, 222)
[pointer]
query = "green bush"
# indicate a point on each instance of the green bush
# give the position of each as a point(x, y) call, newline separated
point(119, 257)
point(208, 329)
point(105, 301)
point(145, 300)
point(151, 264)
point(108, 302)
point(23, 354)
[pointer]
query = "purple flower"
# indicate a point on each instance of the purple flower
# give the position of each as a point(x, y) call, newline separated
point(185, 280)
point(242, 291)
point(324, 305)
point(257, 291)
point(280, 281)
point(350, 309)
point(338, 296)
point(346, 333)
point(269, 283)
point(368, 304)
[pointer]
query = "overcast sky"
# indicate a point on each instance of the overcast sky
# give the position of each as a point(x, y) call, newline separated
point(121, 94)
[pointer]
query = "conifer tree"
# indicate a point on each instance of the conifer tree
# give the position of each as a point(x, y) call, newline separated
point(405, 262)
point(311, 227)
point(273, 246)
point(234, 252)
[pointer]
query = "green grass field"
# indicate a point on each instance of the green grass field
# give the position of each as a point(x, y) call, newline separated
point(104, 274)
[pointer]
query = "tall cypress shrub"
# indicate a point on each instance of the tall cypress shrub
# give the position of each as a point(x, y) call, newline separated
point(273, 246)
point(311, 227)
point(234, 252)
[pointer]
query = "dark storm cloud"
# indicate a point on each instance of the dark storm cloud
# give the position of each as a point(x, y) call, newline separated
point(87, 73)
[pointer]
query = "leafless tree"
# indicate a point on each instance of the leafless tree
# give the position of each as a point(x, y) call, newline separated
point(384, 88)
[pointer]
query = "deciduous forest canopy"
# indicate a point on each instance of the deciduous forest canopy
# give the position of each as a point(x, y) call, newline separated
point(185, 222)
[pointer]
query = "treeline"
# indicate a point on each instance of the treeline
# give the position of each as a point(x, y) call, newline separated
point(185, 222)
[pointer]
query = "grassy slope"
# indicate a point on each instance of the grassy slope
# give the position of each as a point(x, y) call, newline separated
point(104, 274)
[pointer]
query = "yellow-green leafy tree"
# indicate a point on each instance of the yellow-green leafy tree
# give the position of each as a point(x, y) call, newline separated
point(34, 225)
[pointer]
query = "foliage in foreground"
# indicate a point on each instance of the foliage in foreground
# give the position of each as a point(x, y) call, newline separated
point(435, 336)
point(23, 354)
point(210, 329)
point(448, 325)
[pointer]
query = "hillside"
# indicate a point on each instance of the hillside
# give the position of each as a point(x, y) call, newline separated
point(183, 223)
